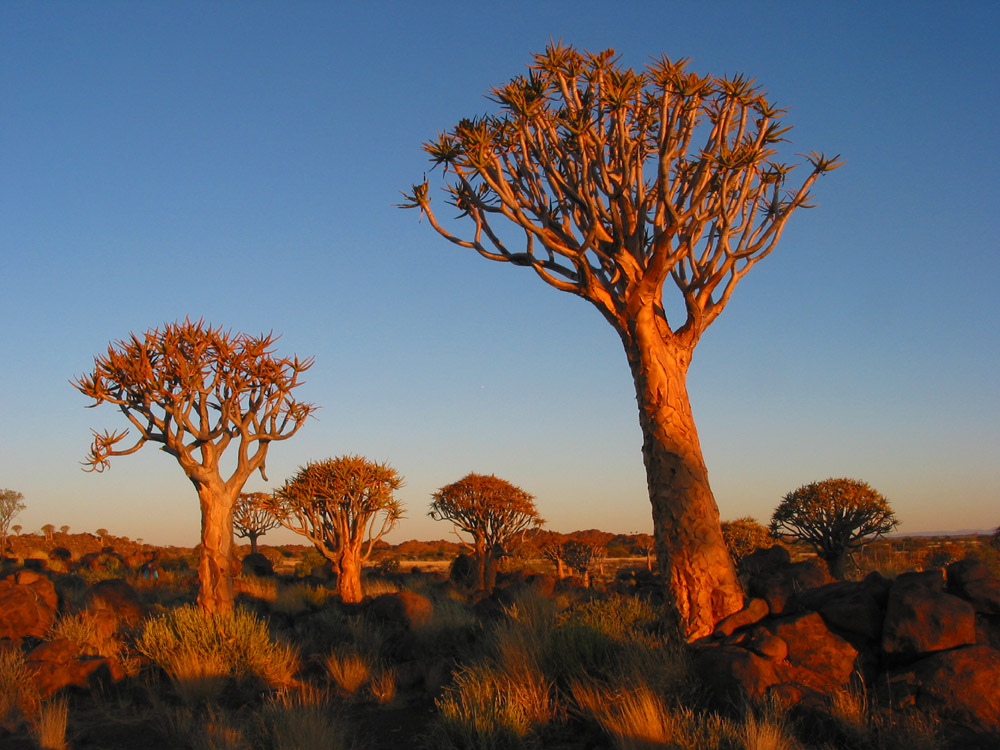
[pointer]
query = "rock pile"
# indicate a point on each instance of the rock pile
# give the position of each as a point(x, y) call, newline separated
point(926, 639)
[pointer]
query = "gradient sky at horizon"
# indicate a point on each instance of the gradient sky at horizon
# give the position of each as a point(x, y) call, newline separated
point(240, 161)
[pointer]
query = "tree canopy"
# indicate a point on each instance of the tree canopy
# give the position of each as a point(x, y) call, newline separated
point(833, 516)
point(620, 180)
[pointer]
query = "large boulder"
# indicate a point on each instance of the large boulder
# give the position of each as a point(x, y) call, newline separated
point(962, 684)
point(922, 619)
point(779, 586)
point(973, 581)
point(59, 664)
point(28, 603)
point(733, 674)
point(256, 564)
point(753, 611)
point(818, 657)
point(117, 596)
point(404, 608)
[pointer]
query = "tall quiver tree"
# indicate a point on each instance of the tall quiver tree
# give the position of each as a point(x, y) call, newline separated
point(492, 511)
point(620, 182)
point(10, 505)
point(197, 390)
point(252, 517)
point(343, 506)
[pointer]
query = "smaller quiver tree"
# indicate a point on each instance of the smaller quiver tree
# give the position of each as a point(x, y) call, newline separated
point(492, 511)
point(834, 517)
point(252, 517)
point(549, 545)
point(343, 506)
point(583, 557)
point(745, 536)
point(10, 505)
point(197, 391)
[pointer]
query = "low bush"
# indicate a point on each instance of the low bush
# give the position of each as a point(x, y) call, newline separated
point(235, 645)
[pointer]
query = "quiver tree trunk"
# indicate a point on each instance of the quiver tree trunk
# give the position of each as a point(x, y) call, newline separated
point(349, 577)
point(215, 573)
point(690, 550)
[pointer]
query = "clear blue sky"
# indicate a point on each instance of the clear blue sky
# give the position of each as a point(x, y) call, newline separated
point(239, 162)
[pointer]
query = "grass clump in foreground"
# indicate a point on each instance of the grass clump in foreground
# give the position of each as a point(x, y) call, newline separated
point(201, 653)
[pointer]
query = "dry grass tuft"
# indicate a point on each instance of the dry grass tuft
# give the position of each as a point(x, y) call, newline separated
point(265, 589)
point(49, 728)
point(18, 695)
point(196, 677)
point(383, 685)
point(348, 669)
point(303, 720)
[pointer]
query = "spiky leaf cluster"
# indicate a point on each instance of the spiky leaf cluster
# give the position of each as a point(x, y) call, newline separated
point(618, 180)
point(194, 389)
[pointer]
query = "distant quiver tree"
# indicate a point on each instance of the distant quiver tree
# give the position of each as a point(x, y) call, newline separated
point(252, 517)
point(492, 511)
point(834, 517)
point(745, 536)
point(197, 390)
point(617, 183)
point(343, 506)
point(11, 503)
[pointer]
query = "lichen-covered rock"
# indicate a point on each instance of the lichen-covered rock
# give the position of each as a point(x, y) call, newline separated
point(28, 603)
point(922, 619)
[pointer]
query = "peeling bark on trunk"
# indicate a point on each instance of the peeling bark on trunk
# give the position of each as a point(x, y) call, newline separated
point(692, 555)
point(215, 574)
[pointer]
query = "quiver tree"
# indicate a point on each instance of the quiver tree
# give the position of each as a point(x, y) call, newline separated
point(493, 512)
point(343, 506)
point(252, 517)
point(745, 536)
point(834, 517)
point(619, 183)
point(550, 546)
point(48, 529)
point(196, 391)
point(583, 557)
point(10, 505)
